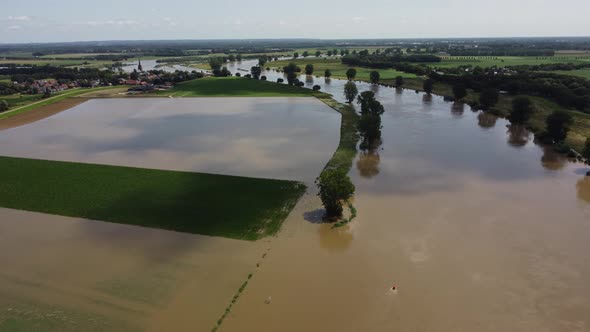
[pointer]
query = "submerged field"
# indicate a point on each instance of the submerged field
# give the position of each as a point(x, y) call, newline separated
point(236, 207)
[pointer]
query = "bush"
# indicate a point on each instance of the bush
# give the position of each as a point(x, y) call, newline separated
point(586, 151)
point(3, 106)
point(399, 81)
point(280, 80)
point(300, 84)
point(335, 187)
point(317, 88)
point(238, 74)
point(263, 78)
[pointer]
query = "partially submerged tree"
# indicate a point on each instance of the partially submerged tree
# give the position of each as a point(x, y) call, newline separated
point(369, 124)
point(399, 81)
point(295, 55)
point(316, 88)
point(262, 61)
point(459, 91)
point(350, 91)
point(335, 188)
point(586, 151)
point(256, 71)
point(309, 69)
point(428, 85)
point(305, 54)
point(318, 53)
point(374, 76)
point(327, 73)
point(291, 71)
point(522, 109)
point(558, 125)
point(488, 98)
point(351, 74)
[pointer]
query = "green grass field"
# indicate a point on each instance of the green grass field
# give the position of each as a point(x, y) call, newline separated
point(338, 69)
point(585, 73)
point(234, 86)
point(218, 205)
point(503, 61)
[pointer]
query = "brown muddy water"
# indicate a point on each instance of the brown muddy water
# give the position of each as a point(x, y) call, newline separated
point(479, 229)
point(283, 138)
point(65, 274)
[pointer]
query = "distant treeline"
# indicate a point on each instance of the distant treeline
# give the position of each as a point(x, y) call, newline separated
point(21, 74)
point(501, 52)
point(386, 60)
point(567, 91)
point(552, 67)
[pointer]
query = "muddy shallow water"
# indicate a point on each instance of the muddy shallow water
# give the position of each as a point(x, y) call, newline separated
point(284, 138)
point(479, 228)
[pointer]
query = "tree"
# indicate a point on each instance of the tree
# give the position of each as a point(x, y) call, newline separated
point(327, 73)
point(351, 74)
point(238, 74)
point(309, 69)
point(522, 109)
point(329, 53)
point(256, 71)
point(3, 106)
point(46, 94)
point(239, 57)
point(369, 124)
point(262, 61)
point(215, 63)
point(586, 151)
point(335, 187)
point(558, 125)
point(318, 53)
point(399, 81)
point(305, 54)
point(374, 75)
point(291, 71)
point(295, 55)
point(263, 78)
point(231, 58)
point(350, 91)
point(459, 91)
point(316, 88)
point(488, 98)
point(224, 72)
point(428, 85)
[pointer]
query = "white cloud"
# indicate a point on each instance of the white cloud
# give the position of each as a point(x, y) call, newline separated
point(109, 22)
point(19, 18)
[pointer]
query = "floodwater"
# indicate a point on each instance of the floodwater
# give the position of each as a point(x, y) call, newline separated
point(479, 228)
point(64, 274)
point(153, 64)
point(283, 138)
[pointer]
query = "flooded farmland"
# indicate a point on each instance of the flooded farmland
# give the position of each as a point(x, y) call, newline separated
point(283, 138)
point(479, 229)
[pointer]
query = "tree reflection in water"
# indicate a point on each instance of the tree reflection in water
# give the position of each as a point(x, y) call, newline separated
point(486, 120)
point(518, 136)
point(457, 109)
point(552, 160)
point(368, 163)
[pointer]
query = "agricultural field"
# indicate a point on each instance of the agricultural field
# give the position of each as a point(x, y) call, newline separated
point(233, 86)
point(337, 68)
point(178, 201)
point(584, 73)
point(503, 61)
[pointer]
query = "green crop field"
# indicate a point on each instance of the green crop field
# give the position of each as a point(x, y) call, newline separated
point(234, 86)
point(219, 205)
point(503, 61)
point(337, 68)
point(585, 73)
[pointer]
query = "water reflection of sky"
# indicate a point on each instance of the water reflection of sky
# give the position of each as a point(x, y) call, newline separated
point(286, 138)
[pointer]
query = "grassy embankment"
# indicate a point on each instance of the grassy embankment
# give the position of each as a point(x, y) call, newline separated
point(218, 205)
point(234, 87)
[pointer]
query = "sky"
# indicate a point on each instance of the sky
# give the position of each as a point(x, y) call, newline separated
point(82, 20)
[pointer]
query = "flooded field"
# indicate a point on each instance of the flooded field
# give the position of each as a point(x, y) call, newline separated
point(254, 137)
point(64, 274)
point(479, 228)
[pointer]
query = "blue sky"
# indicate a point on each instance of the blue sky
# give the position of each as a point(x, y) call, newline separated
point(74, 20)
